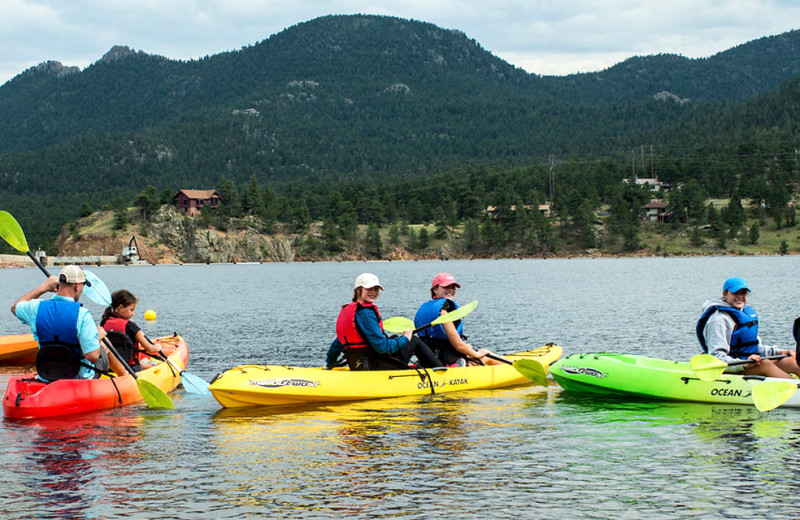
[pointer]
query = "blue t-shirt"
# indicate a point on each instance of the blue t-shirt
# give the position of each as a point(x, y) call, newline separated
point(28, 311)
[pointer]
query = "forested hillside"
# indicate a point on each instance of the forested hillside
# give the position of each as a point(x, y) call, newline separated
point(387, 120)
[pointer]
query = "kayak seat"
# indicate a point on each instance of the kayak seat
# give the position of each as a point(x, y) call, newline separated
point(124, 346)
point(56, 361)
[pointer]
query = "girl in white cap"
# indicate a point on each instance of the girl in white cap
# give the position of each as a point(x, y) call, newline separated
point(447, 339)
point(359, 333)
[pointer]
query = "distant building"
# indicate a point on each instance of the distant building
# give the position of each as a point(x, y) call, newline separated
point(654, 184)
point(544, 209)
point(655, 211)
point(192, 201)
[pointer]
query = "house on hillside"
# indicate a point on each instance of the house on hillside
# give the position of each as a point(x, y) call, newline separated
point(652, 183)
point(655, 211)
point(544, 209)
point(192, 201)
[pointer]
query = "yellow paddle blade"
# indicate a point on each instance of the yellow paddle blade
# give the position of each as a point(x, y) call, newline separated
point(397, 325)
point(533, 370)
point(12, 233)
point(772, 394)
point(456, 314)
point(707, 367)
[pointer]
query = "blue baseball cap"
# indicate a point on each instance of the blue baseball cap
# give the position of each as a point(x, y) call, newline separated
point(735, 284)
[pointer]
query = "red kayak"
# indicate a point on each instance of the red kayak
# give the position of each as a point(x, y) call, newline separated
point(18, 349)
point(27, 397)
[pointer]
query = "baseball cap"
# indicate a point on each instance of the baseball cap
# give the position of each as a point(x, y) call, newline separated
point(367, 281)
point(735, 284)
point(73, 274)
point(444, 280)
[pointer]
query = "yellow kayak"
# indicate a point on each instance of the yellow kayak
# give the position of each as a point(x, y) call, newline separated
point(270, 385)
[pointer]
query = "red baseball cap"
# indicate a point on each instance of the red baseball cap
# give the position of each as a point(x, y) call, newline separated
point(444, 280)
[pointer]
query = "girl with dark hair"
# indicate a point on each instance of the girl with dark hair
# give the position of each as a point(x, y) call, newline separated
point(129, 339)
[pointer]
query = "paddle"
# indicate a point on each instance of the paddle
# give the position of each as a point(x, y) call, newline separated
point(533, 370)
point(529, 368)
point(399, 324)
point(707, 367)
point(12, 233)
point(153, 395)
point(772, 394)
point(99, 293)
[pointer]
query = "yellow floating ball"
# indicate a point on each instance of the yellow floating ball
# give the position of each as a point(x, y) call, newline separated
point(150, 315)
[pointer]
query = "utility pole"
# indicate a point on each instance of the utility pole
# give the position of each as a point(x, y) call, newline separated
point(652, 168)
point(552, 177)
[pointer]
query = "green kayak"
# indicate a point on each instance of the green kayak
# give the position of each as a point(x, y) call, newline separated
point(644, 377)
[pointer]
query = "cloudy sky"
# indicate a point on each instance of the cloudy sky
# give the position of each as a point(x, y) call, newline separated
point(540, 36)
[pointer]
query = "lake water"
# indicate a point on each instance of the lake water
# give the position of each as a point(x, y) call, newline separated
point(523, 452)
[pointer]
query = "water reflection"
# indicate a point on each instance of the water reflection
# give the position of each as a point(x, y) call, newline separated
point(62, 463)
point(361, 457)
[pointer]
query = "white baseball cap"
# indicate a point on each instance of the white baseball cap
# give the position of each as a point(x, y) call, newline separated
point(368, 281)
point(73, 274)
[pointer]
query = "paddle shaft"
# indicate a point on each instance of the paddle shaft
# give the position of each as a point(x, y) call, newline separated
point(746, 361)
point(498, 358)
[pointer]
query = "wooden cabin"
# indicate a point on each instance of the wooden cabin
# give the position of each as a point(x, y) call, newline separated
point(192, 201)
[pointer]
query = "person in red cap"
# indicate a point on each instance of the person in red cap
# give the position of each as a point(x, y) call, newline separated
point(359, 334)
point(447, 339)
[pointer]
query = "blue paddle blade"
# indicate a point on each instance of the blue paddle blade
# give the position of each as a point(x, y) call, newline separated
point(98, 291)
point(193, 384)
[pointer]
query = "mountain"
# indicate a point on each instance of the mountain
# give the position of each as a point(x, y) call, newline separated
point(342, 98)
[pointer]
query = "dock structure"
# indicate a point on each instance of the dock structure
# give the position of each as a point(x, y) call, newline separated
point(81, 260)
point(22, 260)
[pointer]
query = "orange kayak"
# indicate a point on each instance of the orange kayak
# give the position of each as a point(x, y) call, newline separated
point(27, 397)
point(18, 349)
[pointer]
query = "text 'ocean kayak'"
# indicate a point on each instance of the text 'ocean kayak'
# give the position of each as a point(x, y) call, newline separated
point(252, 385)
point(652, 378)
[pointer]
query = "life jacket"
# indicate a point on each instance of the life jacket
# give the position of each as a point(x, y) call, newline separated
point(346, 330)
point(430, 311)
point(124, 344)
point(744, 340)
point(57, 322)
point(60, 355)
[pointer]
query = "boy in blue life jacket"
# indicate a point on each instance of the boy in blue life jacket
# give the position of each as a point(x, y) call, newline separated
point(728, 330)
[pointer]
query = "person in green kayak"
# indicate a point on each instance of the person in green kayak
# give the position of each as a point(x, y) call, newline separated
point(728, 330)
point(360, 335)
point(68, 338)
point(447, 340)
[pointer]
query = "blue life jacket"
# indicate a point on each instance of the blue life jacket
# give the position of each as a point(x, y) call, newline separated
point(430, 311)
point(744, 340)
point(57, 322)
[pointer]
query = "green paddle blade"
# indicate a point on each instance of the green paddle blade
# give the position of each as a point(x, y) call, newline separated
point(12, 233)
point(456, 314)
point(707, 367)
point(153, 396)
point(397, 325)
point(533, 370)
point(772, 394)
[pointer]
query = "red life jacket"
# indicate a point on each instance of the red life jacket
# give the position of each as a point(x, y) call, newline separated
point(120, 325)
point(346, 330)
